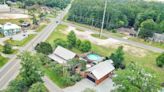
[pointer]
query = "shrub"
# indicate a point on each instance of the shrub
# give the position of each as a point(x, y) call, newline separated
point(61, 43)
point(160, 60)
point(7, 49)
point(85, 46)
point(44, 48)
point(71, 38)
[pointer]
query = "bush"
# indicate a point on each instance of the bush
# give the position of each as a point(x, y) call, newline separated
point(78, 43)
point(38, 87)
point(71, 38)
point(160, 60)
point(61, 43)
point(114, 31)
point(7, 49)
point(44, 48)
point(85, 46)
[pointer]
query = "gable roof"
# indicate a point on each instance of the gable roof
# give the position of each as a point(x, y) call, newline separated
point(62, 55)
point(101, 69)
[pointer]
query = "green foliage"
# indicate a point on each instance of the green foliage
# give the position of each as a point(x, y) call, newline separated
point(118, 57)
point(135, 79)
point(85, 46)
point(147, 28)
point(44, 48)
point(34, 20)
point(60, 42)
point(160, 60)
point(30, 70)
point(78, 43)
point(38, 87)
point(71, 38)
point(51, 3)
point(16, 85)
point(7, 49)
point(120, 13)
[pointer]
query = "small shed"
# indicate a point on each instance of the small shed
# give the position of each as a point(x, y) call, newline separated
point(158, 37)
point(62, 55)
point(100, 72)
point(127, 31)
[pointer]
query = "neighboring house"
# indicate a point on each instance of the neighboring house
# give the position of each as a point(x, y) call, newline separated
point(100, 72)
point(127, 31)
point(158, 37)
point(62, 55)
point(4, 8)
point(9, 29)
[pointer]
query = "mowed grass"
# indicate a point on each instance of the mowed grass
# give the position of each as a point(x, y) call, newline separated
point(21, 43)
point(3, 61)
point(98, 36)
point(15, 21)
point(41, 27)
point(148, 61)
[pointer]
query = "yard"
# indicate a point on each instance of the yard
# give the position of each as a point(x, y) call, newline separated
point(147, 61)
point(3, 61)
point(21, 43)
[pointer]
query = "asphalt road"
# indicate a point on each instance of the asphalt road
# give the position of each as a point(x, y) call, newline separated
point(133, 43)
point(11, 69)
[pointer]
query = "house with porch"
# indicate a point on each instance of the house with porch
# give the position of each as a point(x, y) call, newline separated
point(9, 29)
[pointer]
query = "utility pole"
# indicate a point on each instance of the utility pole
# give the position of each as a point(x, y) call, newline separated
point(102, 26)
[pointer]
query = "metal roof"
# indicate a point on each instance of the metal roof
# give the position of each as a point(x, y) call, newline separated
point(101, 69)
point(62, 55)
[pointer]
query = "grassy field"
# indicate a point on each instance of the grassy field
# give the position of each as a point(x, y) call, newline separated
point(15, 21)
point(98, 36)
point(21, 43)
point(147, 61)
point(40, 28)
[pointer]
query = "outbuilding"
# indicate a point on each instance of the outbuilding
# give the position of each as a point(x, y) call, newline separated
point(62, 55)
point(100, 72)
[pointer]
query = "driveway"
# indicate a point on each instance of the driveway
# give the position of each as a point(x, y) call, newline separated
point(105, 86)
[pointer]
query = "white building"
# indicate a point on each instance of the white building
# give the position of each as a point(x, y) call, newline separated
point(9, 29)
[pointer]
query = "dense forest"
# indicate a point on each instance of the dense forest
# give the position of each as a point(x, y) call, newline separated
point(148, 16)
point(51, 3)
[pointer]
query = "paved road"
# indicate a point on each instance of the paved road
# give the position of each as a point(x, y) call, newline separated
point(11, 69)
point(136, 44)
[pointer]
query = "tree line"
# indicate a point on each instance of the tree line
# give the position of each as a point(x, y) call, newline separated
point(50, 3)
point(120, 13)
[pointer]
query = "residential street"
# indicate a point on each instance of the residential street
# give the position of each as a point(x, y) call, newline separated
point(136, 44)
point(11, 69)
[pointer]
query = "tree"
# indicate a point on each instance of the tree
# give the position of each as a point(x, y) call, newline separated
point(16, 85)
point(34, 20)
point(85, 46)
point(38, 87)
point(160, 60)
point(44, 48)
point(147, 29)
point(71, 38)
point(135, 78)
point(30, 70)
point(7, 49)
point(118, 57)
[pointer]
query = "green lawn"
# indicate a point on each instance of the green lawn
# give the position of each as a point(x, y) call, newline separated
point(21, 43)
point(40, 28)
point(3, 61)
point(98, 36)
point(16, 21)
point(147, 61)
point(55, 78)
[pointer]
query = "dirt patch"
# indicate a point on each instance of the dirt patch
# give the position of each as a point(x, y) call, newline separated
point(13, 16)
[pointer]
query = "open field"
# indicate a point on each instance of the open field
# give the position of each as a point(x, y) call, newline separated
point(119, 35)
point(142, 57)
